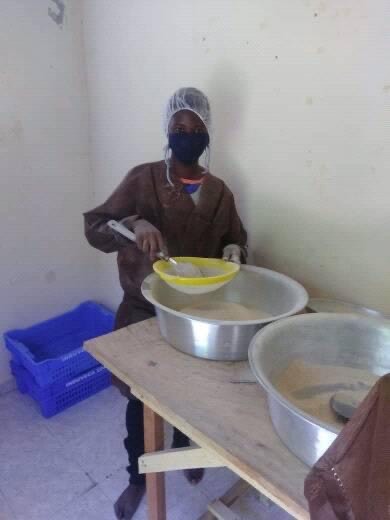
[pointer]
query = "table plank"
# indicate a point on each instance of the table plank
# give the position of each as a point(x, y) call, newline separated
point(197, 396)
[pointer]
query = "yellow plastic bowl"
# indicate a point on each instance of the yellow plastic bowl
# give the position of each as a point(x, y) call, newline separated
point(216, 273)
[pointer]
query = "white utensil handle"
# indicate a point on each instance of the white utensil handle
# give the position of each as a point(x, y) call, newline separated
point(121, 229)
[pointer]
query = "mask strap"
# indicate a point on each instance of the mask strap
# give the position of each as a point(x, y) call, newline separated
point(207, 160)
point(167, 162)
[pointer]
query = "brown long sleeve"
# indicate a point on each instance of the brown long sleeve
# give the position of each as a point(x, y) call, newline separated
point(236, 233)
point(352, 479)
point(120, 205)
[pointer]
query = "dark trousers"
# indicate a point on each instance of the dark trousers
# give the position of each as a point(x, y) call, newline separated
point(134, 442)
point(133, 310)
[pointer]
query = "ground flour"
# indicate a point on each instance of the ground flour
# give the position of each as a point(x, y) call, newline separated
point(224, 311)
point(310, 387)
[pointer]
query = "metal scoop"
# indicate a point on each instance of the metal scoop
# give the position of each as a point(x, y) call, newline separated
point(346, 402)
point(182, 269)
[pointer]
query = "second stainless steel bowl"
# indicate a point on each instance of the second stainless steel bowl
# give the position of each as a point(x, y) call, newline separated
point(344, 340)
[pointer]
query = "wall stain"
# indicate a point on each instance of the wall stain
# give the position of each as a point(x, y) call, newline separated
point(57, 15)
point(346, 11)
point(213, 19)
point(50, 277)
point(322, 7)
point(13, 133)
point(386, 89)
point(309, 100)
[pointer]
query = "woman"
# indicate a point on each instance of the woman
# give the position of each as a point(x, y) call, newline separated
point(175, 206)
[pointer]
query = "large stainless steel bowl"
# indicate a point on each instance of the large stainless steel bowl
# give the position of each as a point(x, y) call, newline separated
point(328, 305)
point(272, 293)
point(329, 339)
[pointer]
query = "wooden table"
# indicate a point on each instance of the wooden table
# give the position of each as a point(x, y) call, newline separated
point(228, 421)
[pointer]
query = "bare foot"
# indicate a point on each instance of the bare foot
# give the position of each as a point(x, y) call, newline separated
point(127, 504)
point(194, 476)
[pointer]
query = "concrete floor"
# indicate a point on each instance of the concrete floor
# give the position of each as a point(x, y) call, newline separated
point(72, 466)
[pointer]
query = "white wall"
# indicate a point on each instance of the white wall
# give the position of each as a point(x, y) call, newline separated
point(301, 96)
point(300, 91)
point(45, 182)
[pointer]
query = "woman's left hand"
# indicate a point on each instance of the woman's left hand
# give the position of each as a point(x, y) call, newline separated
point(232, 253)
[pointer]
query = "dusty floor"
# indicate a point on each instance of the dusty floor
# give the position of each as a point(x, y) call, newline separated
point(72, 466)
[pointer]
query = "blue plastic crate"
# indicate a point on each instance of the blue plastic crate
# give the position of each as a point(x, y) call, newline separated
point(52, 351)
point(56, 398)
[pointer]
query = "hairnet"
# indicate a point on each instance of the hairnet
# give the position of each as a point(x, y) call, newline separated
point(188, 98)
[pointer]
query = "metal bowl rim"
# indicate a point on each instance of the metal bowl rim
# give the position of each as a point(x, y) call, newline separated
point(303, 298)
point(270, 330)
point(364, 311)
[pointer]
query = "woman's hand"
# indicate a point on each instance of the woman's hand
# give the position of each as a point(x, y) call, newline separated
point(149, 238)
point(232, 253)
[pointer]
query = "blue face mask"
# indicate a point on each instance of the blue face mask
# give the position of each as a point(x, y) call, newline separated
point(187, 148)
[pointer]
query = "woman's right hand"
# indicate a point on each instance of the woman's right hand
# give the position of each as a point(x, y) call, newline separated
point(149, 238)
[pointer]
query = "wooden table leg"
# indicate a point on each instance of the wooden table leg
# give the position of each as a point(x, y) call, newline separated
point(155, 482)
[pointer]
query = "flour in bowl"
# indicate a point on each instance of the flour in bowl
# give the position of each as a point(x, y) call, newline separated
point(311, 386)
point(224, 311)
point(188, 270)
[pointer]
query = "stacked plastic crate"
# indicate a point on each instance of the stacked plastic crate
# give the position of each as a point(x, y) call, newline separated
point(49, 362)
